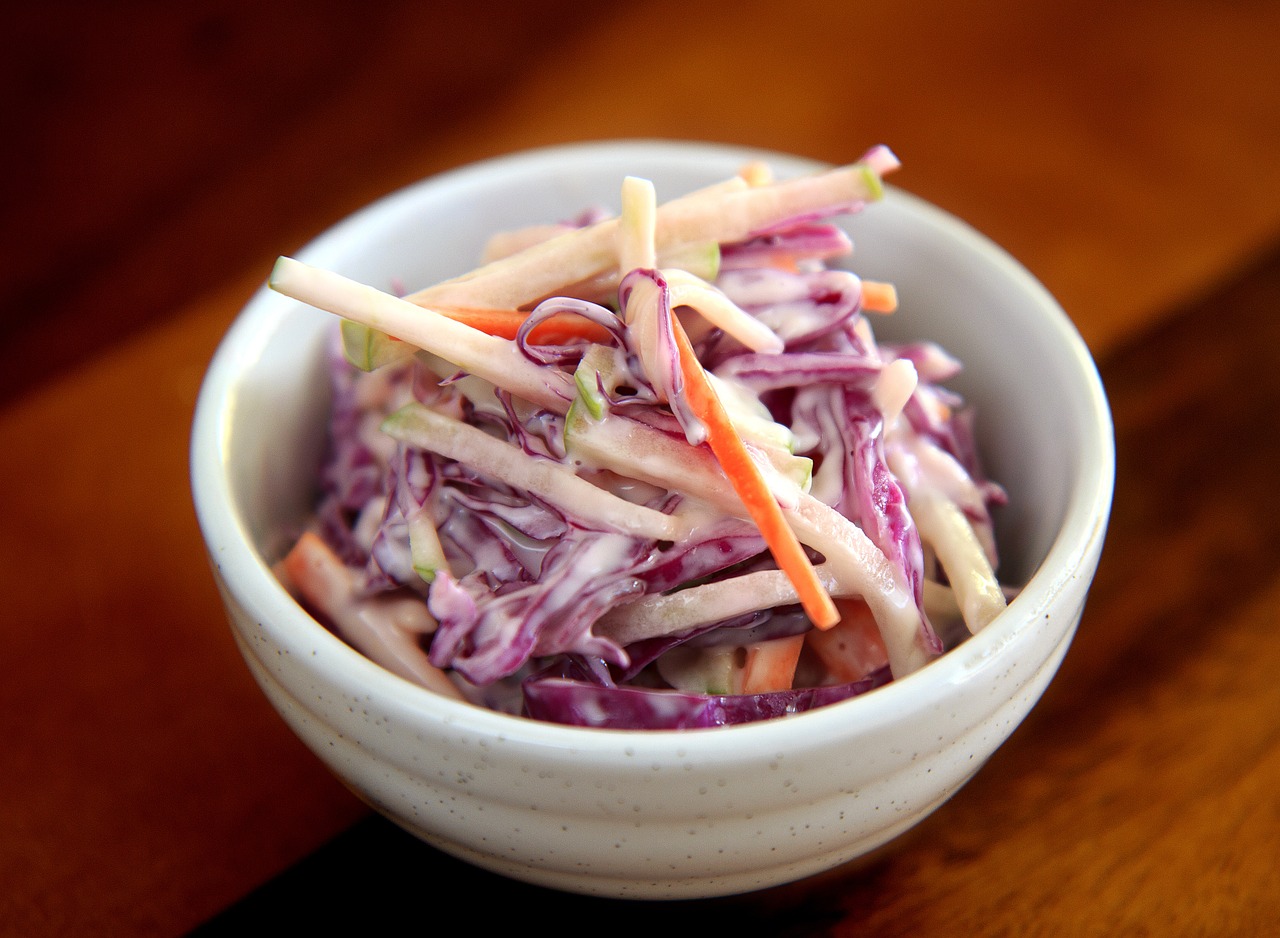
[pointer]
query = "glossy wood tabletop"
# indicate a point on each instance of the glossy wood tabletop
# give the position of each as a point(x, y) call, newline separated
point(161, 156)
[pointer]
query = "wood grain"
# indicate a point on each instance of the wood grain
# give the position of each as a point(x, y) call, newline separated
point(164, 154)
point(1124, 154)
point(163, 145)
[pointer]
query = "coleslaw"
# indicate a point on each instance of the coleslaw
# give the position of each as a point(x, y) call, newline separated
point(648, 470)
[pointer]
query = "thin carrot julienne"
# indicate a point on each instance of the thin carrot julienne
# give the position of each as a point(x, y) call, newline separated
point(505, 323)
point(637, 248)
point(771, 664)
point(751, 486)
point(879, 297)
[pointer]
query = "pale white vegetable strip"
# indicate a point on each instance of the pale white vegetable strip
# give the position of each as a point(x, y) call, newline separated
point(426, 553)
point(722, 215)
point(854, 558)
point(556, 482)
point(893, 388)
point(686, 609)
point(636, 228)
point(944, 527)
point(738, 215)
point(493, 358)
point(702, 260)
point(937, 490)
point(543, 269)
point(720, 311)
point(505, 243)
point(913, 459)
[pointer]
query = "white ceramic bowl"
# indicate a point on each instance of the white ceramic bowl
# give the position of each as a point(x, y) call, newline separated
point(661, 814)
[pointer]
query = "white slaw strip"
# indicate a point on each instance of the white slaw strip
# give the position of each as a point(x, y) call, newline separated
point(729, 211)
point(682, 611)
point(637, 226)
point(937, 488)
point(556, 482)
point(720, 311)
point(493, 358)
point(944, 527)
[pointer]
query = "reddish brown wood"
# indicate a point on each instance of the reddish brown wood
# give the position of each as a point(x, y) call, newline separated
point(166, 154)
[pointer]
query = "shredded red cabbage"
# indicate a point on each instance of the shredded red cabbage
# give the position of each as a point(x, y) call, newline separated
point(528, 587)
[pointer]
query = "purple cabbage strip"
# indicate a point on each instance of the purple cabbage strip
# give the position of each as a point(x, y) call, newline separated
point(670, 383)
point(411, 479)
point(799, 307)
point(487, 632)
point(473, 542)
point(581, 703)
point(849, 427)
point(560, 354)
point(881, 505)
point(798, 243)
point(764, 373)
point(486, 636)
point(352, 474)
point(851, 207)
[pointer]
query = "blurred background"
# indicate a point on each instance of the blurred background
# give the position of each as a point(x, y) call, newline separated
point(1125, 152)
point(159, 156)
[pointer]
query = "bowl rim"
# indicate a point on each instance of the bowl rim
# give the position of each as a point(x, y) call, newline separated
point(248, 577)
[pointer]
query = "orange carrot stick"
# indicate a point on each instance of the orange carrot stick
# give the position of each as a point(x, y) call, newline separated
point(505, 323)
point(854, 648)
point(879, 297)
point(751, 486)
point(771, 664)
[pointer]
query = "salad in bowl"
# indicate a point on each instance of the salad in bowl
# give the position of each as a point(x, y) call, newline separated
point(648, 469)
point(623, 532)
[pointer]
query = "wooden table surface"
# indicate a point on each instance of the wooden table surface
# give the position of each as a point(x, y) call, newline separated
point(161, 155)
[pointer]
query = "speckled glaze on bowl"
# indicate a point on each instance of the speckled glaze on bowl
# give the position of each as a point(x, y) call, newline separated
point(661, 814)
